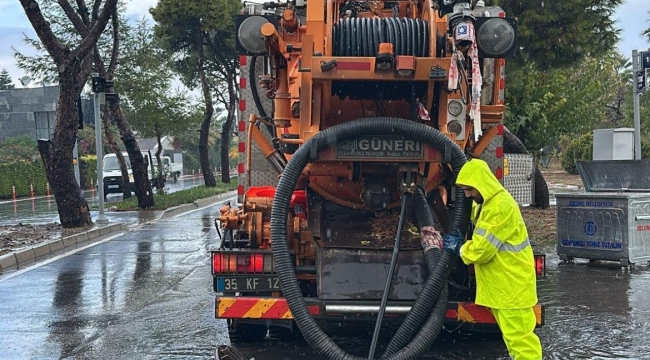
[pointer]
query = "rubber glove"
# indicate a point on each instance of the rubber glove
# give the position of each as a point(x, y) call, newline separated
point(452, 242)
point(430, 238)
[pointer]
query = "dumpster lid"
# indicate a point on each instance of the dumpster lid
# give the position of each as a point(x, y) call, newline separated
point(615, 175)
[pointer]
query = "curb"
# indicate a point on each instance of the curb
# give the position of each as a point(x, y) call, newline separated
point(19, 258)
point(22, 257)
point(197, 204)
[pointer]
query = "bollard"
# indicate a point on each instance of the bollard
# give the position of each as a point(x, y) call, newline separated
point(47, 189)
point(31, 190)
point(13, 191)
point(92, 185)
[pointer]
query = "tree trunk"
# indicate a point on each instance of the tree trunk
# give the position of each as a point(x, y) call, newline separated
point(57, 152)
point(73, 66)
point(208, 176)
point(160, 183)
point(226, 130)
point(126, 184)
point(143, 190)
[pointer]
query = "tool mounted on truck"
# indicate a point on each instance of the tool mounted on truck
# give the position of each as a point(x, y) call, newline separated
point(364, 112)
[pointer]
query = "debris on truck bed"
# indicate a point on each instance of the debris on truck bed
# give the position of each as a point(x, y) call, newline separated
point(384, 226)
point(370, 230)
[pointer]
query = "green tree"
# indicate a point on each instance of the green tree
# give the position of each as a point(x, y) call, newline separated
point(543, 105)
point(153, 109)
point(21, 148)
point(68, 24)
point(189, 142)
point(579, 149)
point(622, 87)
point(73, 64)
point(5, 80)
point(561, 33)
point(200, 35)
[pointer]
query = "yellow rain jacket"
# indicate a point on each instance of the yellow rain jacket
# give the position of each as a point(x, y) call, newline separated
point(499, 249)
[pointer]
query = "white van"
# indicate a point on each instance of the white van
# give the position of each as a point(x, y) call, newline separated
point(112, 175)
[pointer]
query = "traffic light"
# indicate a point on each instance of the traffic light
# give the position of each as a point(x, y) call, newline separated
point(100, 84)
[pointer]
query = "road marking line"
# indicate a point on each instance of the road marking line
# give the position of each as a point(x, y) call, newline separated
point(57, 257)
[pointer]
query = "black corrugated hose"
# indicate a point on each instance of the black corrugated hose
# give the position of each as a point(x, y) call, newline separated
point(431, 295)
point(316, 338)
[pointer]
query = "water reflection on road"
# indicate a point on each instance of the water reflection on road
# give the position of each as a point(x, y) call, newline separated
point(148, 294)
point(43, 209)
point(596, 311)
point(593, 311)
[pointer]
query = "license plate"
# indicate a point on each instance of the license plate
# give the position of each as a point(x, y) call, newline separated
point(113, 186)
point(247, 283)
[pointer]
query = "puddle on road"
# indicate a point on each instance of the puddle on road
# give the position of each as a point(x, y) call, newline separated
point(593, 311)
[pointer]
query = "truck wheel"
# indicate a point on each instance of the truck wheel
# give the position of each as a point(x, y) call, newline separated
point(512, 145)
point(246, 333)
point(542, 196)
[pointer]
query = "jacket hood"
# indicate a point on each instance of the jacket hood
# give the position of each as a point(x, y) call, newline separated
point(477, 174)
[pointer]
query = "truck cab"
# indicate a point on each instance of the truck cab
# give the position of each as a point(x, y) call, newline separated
point(172, 170)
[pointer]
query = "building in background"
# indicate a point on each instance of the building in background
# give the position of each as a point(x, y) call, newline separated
point(32, 112)
point(150, 145)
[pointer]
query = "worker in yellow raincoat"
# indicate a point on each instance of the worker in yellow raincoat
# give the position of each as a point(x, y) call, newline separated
point(503, 259)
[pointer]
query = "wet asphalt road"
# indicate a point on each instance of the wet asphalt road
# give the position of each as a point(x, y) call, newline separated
point(593, 311)
point(42, 209)
point(146, 294)
point(143, 294)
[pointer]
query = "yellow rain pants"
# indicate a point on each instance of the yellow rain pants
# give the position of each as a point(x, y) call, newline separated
point(517, 327)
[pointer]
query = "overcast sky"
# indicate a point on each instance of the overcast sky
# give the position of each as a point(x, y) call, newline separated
point(632, 17)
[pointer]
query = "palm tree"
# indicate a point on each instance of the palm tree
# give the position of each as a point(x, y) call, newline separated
point(624, 67)
point(646, 33)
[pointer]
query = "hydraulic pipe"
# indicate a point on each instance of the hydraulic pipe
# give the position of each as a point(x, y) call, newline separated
point(391, 270)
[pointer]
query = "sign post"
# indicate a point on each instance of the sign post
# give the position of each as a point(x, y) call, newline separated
point(640, 66)
point(98, 96)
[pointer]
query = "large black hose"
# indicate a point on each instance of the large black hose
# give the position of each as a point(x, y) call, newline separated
point(430, 296)
point(316, 338)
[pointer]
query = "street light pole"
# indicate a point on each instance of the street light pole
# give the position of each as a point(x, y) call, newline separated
point(101, 218)
point(75, 155)
point(637, 115)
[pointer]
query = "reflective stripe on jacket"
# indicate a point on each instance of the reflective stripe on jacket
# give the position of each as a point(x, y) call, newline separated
point(499, 249)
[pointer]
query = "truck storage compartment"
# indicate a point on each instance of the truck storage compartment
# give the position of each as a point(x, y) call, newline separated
point(611, 220)
point(353, 258)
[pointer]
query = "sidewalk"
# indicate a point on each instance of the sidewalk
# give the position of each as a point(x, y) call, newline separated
point(118, 221)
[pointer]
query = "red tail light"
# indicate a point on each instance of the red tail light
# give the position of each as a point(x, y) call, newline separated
point(540, 265)
point(254, 263)
point(223, 262)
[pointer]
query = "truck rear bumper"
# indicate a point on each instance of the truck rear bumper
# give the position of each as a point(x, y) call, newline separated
point(270, 308)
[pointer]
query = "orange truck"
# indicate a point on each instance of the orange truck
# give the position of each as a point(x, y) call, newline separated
point(354, 119)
